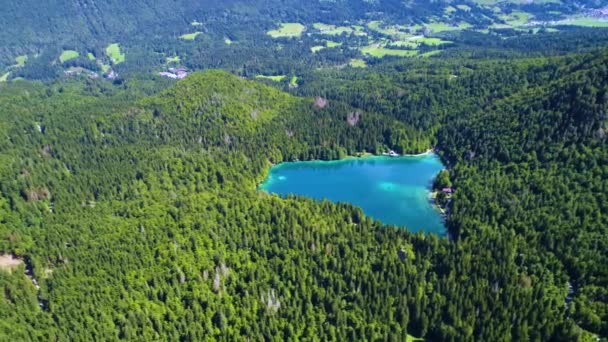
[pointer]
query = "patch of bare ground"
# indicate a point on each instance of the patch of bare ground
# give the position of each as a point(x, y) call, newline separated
point(321, 102)
point(353, 118)
point(9, 262)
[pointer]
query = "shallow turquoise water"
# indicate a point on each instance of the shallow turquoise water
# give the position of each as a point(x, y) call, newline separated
point(392, 190)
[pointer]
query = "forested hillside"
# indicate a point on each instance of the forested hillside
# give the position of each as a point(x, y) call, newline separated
point(50, 40)
point(134, 206)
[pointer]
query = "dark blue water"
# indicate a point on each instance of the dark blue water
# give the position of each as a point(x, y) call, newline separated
point(392, 190)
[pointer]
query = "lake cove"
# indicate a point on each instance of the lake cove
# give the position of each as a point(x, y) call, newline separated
point(394, 190)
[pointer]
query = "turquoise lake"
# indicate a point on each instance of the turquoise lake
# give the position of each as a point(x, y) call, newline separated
point(393, 190)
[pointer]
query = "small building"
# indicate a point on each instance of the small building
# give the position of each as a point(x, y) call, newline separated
point(447, 190)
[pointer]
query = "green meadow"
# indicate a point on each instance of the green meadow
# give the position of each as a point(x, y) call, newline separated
point(380, 51)
point(67, 55)
point(277, 78)
point(174, 59)
point(293, 82)
point(20, 60)
point(287, 30)
point(113, 51)
point(190, 36)
point(4, 77)
point(332, 30)
point(584, 21)
point(357, 63)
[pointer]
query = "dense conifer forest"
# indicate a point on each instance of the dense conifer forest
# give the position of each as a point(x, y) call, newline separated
point(129, 207)
point(135, 208)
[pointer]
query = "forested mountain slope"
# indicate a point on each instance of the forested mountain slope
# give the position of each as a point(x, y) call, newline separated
point(135, 209)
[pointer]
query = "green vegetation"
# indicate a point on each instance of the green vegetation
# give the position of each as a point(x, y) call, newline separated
point(227, 41)
point(174, 59)
point(293, 82)
point(190, 36)
point(332, 30)
point(91, 56)
point(21, 60)
point(113, 52)
point(4, 77)
point(277, 78)
point(166, 183)
point(196, 23)
point(378, 51)
point(584, 21)
point(66, 55)
point(357, 63)
point(132, 202)
point(287, 30)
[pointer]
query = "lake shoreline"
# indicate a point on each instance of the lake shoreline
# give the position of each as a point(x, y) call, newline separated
point(273, 177)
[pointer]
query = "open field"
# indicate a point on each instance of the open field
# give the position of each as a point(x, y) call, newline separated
point(429, 41)
point(113, 51)
point(293, 82)
point(357, 63)
point(66, 55)
point(411, 338)
point(277, 78)
point(287, 30)
point(4, 77)
point(189, 36)
point(332, 30)
point(20, 60)
point(90, 56)
point(443, 27)
point(378, 51)
point(174, 59)
point(584, 21)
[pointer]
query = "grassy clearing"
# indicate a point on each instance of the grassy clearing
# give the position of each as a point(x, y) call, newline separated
point(430, 41)
point(584, 21)
point(227, 41)
point(443, 27)
point(20, 60)
point(277, 78)
point(429, 54)
point(66, 55)
point(287, 30)
point(393, 30)
point(4, 77)
point(113, 51)
point(357, 63)
point(379, 51)
point(293, 82)
point(90, 56)
point(332, 30)
point(328, 44)
point(515, 19)
point(411, 338)
point(105, 67)
point(190, 36)
point(174, 59)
